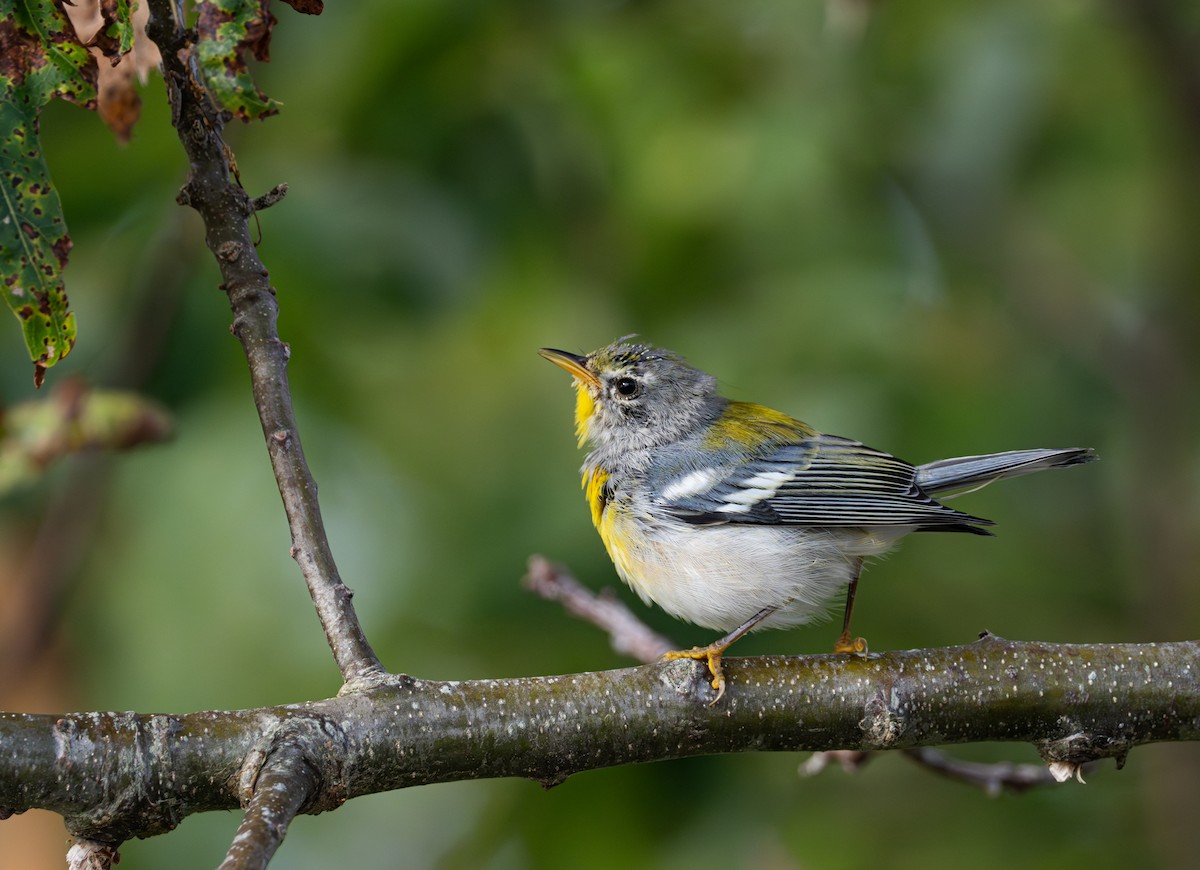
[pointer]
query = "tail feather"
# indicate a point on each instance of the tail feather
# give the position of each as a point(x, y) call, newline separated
point(973, 472)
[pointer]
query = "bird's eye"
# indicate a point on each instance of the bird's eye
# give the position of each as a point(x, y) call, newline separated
point(626, 386)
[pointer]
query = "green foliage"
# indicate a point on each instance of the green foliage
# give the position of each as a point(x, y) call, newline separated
point(227, 30)
point(42, 61)
point(115, 36)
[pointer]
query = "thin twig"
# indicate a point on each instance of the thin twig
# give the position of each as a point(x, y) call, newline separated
point(628, 634)
point(993, 778)
point(280, 790)
point(225, 209)
point(849, 760)
point(272, 197)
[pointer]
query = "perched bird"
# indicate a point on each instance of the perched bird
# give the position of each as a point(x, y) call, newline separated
point(737, 517)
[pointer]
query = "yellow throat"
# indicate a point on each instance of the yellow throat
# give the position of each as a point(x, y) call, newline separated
point(585, 407)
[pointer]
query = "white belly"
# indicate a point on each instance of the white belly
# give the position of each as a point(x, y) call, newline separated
point(719, 576)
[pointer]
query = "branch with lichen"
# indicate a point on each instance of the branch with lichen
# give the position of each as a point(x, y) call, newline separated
point(118, 775)
point(630, 636)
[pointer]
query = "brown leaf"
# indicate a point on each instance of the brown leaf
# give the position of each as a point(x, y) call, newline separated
point(119, 104)
point(86, 19)
point(145, 55)
point(308, 7)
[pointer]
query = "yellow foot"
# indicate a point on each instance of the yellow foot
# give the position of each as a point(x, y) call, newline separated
point(712, 654)
point(846, 646)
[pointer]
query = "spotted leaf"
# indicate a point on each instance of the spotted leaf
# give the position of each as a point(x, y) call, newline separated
point(227, 30)
point(40, 59)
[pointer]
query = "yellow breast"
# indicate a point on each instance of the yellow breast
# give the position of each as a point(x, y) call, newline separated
point(609, 524)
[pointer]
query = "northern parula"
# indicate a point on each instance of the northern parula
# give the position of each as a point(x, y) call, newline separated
point(737, 517)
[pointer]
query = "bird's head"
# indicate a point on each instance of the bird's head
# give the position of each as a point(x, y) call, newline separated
point(634, 396)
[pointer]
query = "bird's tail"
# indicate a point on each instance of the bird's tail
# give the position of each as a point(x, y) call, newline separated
point(974, 472)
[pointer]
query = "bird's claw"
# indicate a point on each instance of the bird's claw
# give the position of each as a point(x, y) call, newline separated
point(710, 654)
point(846, 646)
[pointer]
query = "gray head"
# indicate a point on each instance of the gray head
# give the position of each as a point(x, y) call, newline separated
point(633, 396)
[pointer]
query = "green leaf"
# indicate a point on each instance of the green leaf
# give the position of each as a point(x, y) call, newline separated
point(37, 433)
point(42, 60)
point(226, 30)
point(115, 37)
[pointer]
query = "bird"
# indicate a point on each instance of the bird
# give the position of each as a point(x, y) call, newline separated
point(737, 517)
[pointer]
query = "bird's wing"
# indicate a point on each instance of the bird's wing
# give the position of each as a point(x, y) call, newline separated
point(810, 480)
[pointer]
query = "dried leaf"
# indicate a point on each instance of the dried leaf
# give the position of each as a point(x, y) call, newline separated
point(1064, 770)
point(114, 32)
point(120, 105)
point(145, 55)
point(308, 7)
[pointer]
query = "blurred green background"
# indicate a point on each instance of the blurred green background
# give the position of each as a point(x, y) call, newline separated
point(941, 228)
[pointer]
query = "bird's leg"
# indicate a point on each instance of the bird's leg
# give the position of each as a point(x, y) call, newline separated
point(713, 652)
point(844, 643)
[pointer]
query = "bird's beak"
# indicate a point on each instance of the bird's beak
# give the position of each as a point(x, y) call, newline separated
point(573, 363)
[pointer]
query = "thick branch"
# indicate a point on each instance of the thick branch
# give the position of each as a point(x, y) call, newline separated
point(114, 776)
point(212, 190)
point(633, 637)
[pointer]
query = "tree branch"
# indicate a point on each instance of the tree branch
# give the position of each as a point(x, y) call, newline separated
point(993, 778)
point(114, 776)
point(278, 789)
point(628, 634)
point(214, 192)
